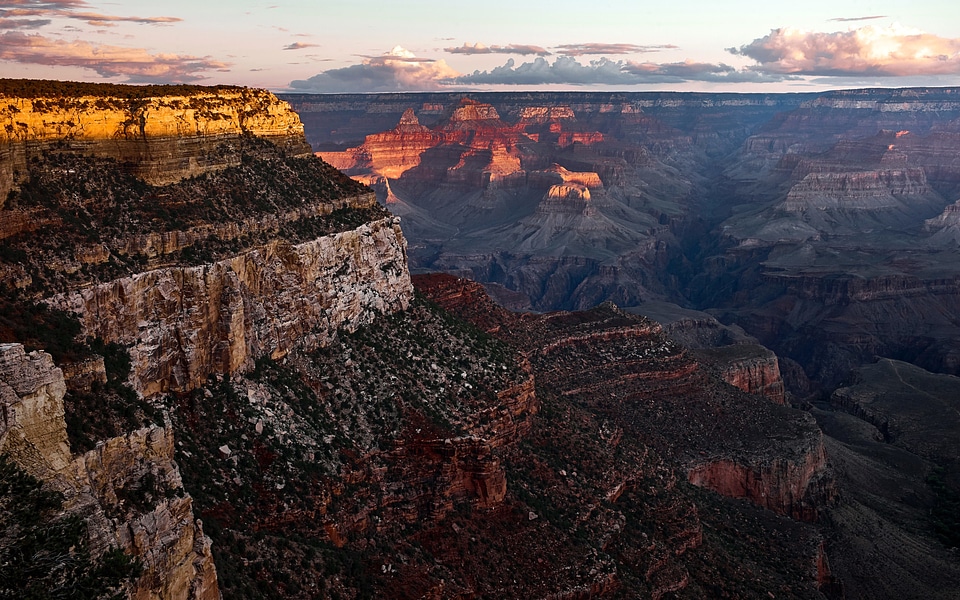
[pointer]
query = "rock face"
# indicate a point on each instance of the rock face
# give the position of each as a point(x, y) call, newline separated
point(184, 324)
point(34, 432)
point(263, 251)
point(750, 367)
point(736, 357)
point(798, 488)
point(388, 154)
point(128, 489)
point(646, 361)
point(163, 138)
point(735, 203)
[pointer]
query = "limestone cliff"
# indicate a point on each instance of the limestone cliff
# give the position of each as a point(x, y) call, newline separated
point(185, 323)
point(128, 489)
point(390, 153)
point(792, 479)
point(161, 138)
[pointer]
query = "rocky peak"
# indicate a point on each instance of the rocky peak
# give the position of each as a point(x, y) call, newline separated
point(409, 123)
point(472, 110)
point(569, 191)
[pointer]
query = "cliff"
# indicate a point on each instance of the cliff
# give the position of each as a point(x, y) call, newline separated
point(750, 367)
point(128, 490)
point(388, 154)
point(190, 236)
point(163, 138)
point(183, 324)
point(736, 357)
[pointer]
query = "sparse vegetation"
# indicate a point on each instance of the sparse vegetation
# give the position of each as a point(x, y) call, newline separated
point(45, 555)
point(294, 425)
point(97, 207)
point(48, 88)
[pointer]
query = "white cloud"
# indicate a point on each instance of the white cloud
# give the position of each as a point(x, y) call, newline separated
point(892, 51)
point(566, 70)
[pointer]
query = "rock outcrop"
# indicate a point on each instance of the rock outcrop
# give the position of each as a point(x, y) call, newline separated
point(606, 362)
point(128, 489)
point(750, 367)
point(793, 480)
point(183, 324)
point(163, 138)
point(388, 154)
point(31, 392)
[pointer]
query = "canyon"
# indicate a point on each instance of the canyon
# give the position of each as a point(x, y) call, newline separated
point(822, 224)
point(802, 235)
point(219, 378)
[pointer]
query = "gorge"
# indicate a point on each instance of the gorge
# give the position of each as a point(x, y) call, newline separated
point(218, 373)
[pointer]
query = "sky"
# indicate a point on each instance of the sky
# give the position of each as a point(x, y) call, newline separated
point(340, 46)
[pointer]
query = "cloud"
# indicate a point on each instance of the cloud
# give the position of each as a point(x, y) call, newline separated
point(596, 49)
point(847, 19)
point(44, 4)
point(136, 64)
point(478, 48)
point(892, 51)
point(396, 71)
point(23, 23)
point(566, 70)
point(101, 20)
point(299, 46)
point(66, 9)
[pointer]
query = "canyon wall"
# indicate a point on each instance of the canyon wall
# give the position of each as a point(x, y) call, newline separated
point(261, 250)
point(161, 139)
point(185, 323)
point(128, 489)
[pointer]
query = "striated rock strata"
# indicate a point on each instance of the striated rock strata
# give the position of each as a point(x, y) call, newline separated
point(646, 390)
point(161, 138)
point(185, 323)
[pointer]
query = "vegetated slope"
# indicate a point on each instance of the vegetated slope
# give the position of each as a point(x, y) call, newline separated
point(414, 457)
point(110, 224)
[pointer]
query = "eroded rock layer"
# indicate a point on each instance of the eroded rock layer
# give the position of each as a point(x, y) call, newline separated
point(163, 138)
point(184, 324)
